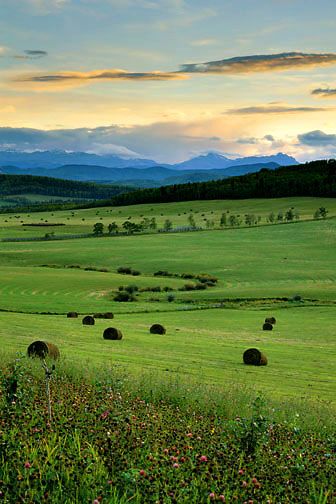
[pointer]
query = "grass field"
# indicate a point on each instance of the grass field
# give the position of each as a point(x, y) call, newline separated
point(259, 270)
point(175, 418)
point(82, 221)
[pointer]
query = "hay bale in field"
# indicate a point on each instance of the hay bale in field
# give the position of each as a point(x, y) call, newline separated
point(270, 320)
point(267, 326)
point(254, 357)
point(157, 329)
point(88, 320)
point(72, 314)
point(98, 315)
point(111, 333)
point(43, 349)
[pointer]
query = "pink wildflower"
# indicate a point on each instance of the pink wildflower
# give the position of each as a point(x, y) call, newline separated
point(27, 465)
point(222, 498)
point(203, 458)
point(241, 472)
point(244, 484)
point(176, 465)
point(104, 414)
point(211, 495)
point(189, 434)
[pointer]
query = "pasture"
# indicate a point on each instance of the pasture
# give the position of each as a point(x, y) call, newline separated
point(177, 417)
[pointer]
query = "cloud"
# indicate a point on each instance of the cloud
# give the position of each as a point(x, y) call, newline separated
point(324, 92)
point(238, 65)
point(75, 78)
point(317, 138)
point(274, 109)
point(31, 54)
point(261, 63)
point(269, 138)
point(3, 50)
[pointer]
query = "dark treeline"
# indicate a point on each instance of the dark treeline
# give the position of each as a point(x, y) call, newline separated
point(30, 184)
point(317, 178)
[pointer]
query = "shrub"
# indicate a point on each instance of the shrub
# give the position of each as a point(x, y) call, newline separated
point(123, 296)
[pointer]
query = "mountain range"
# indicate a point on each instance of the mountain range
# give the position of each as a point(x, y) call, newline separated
point(82, 166)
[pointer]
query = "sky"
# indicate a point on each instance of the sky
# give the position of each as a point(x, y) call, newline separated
point(169, 79)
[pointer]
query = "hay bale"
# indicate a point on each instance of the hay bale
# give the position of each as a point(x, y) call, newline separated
point(157, 329)
point(98, 315)
point(267, 327)
point(43, 349)
point(72, 314)
point(111, 333)
point(88, 320)
point(254, 357)
point(270, 320)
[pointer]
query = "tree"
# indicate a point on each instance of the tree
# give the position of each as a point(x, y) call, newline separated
point(323, 212)
point(153, 224)
point(280, 216)
point(222, 221)
point(113, 228)
point(250, 219)
point(98, 228)
point(168, 225)
point(191, 221)
point(289, 215)
point(271, 218)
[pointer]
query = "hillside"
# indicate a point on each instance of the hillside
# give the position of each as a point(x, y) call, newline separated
point(317, 178)
point(29, 184)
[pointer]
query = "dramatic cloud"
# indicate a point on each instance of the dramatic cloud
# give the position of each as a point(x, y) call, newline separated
point(317, 139)
point(274, 109)
point(261, 63)
point(324, 92)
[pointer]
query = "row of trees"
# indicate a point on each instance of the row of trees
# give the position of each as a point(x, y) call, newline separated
point(227, 219)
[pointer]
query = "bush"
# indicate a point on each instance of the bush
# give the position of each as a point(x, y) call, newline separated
point(123, 296)
point(124, 270)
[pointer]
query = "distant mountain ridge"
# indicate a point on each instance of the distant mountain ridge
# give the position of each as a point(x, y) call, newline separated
point(214, 160)
point(138, 177)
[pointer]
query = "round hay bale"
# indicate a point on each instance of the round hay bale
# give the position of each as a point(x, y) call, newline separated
point(111, 333)
point(72, 314)
point(88, 320)
point(270, 320)
point(267, 327)
point(254, 357)
point(108, 315)
point(157, 329)
point(43, 349)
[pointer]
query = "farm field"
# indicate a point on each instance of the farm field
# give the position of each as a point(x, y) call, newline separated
point(259, 270)
point(82, 221)
point(174, 418)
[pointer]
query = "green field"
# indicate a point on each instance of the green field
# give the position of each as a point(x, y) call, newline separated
point(259, 271)
point(82, 221)
point(175, 418)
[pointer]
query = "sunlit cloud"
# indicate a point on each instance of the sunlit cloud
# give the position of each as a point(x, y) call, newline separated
point(203, 42)
point(274, 109)
point(261, 63)
point(72, 79)
point(324, 92)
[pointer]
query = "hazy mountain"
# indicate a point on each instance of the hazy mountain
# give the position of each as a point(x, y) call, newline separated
point(139, 177)
point(213, 160)
point(54, 159)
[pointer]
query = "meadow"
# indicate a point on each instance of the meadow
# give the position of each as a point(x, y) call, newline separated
point(191, 380)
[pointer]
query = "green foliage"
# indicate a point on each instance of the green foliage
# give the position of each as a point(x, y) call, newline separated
point(98, 229)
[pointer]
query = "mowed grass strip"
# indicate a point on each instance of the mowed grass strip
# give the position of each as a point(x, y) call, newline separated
point(205, 347)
